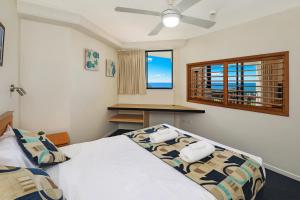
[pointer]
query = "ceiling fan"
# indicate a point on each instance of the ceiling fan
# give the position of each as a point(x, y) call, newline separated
point(172, 16)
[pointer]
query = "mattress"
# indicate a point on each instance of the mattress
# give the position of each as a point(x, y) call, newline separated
point(117, 168)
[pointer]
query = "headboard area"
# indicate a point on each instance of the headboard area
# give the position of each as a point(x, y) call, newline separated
point(5, 119)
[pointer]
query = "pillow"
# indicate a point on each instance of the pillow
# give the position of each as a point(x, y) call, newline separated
point(27, 183)
point(10, 152)
point(39, 149)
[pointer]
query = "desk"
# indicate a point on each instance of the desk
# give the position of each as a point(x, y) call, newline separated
point(143, 118)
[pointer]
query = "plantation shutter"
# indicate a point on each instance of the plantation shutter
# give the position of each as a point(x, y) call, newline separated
point(254, 83)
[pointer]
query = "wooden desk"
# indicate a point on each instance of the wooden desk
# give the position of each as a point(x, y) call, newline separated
point(146, 108)
point(155, 107)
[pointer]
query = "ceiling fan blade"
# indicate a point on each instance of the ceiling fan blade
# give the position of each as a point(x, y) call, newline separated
point(156, 30)
point(186, 4)
point(197, 21)
point(137, 11)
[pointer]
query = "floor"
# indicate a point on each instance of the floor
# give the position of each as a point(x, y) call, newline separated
point(278, 187)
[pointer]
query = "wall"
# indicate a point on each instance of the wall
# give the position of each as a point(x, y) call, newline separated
point(153, 96)
point(61, 94)
point(9, 71)
point(91, 92)
point(274, 138)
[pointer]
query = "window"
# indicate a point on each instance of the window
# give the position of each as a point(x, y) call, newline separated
point(254, 83)
point(159, 69)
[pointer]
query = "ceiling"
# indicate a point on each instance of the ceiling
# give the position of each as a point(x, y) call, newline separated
point(135, 28)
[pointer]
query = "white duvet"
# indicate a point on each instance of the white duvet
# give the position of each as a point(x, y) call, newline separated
point(117, 168)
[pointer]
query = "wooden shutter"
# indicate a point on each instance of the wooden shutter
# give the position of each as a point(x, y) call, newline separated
point(255, 83)
point(207, 83)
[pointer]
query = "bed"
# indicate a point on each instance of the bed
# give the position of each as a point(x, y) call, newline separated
point(117, 168)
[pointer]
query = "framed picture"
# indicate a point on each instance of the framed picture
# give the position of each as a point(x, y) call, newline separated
point(92, 59)
point(110, 68)
point(2, 34)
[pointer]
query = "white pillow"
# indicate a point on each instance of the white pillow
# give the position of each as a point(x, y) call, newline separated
point(11, 153)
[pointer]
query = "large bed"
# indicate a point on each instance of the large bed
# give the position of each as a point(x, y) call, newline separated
point(118, 168)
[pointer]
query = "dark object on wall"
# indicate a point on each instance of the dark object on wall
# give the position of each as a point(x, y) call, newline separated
point(2, 34)
point(20, 90)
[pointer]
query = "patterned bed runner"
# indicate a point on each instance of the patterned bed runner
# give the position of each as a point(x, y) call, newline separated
point(225, 174)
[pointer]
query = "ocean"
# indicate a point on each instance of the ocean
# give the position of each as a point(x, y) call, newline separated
point(159, 85)
point(247, 86)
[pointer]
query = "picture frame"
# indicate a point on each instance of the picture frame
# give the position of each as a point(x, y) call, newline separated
point(110, 68)
point(92, 59)
point(2, 36)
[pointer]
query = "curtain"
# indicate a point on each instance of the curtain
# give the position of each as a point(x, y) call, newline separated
point(131, 78)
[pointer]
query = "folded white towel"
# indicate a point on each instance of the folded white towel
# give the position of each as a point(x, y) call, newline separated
point(163, 135)
point(198, 145)
point(195, 152)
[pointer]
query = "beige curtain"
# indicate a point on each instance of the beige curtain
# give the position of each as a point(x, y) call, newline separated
point(131, 78)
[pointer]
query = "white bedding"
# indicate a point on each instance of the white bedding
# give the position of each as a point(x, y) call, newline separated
point(117, 168)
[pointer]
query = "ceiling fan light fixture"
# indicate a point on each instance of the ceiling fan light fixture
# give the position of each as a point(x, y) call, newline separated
point(170, 18)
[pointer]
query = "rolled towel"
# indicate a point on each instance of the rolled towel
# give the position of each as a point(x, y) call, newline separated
point(192, 154)
point(198, 145)
point(163, 135)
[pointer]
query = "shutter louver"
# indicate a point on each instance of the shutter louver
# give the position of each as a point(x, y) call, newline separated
point(254, 83)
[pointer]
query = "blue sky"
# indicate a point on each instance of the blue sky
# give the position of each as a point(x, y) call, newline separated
point(159, 70)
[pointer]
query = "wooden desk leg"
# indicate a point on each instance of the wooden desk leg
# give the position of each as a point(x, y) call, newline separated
point(146, 119)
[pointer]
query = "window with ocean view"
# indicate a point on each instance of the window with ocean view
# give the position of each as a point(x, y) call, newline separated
point(254, 83)
point(159, 69)
point(243, 80)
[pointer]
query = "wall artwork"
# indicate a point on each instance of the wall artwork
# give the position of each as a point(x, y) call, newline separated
point(92, 59)
point(2, 34)
point(110, 68)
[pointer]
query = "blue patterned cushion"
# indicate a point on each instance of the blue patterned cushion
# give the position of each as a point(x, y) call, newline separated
point(39, 149)
point(27, 184)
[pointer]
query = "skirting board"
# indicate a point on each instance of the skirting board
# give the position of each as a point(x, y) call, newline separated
point(282, 172)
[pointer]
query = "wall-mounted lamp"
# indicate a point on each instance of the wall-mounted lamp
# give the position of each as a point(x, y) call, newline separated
point(20, 90)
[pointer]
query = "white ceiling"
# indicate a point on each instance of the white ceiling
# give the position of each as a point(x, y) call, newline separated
point(135, 28)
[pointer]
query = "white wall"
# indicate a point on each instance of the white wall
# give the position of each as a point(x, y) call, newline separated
point(61, 94)
point(9, 71)
point(274, 138)
point(45, 74)
point(153, 96)
point(91, 92)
